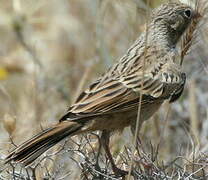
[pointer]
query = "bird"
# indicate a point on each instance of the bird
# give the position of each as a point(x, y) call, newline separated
point(149, 73)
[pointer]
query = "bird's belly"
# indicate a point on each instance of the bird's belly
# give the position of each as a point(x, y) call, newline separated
point(120, 120)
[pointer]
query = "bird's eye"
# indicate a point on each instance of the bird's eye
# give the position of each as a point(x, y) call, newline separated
point(188, 13)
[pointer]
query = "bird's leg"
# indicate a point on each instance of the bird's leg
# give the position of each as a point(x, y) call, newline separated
point(97, 166)
point(105, 143)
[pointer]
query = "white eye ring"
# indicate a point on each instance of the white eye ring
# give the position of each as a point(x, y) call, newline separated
point(188, 13)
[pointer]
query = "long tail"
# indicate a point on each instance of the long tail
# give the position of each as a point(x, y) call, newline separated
point(27, 152)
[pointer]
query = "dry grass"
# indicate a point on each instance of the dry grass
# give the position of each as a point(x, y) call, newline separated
point(50, 51)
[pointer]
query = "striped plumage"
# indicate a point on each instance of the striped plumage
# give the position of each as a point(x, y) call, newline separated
point(150, 66)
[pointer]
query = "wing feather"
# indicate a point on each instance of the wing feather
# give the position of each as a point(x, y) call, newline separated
point(120, 91)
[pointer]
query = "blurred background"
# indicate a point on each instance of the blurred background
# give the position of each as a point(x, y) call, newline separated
point(51, 50)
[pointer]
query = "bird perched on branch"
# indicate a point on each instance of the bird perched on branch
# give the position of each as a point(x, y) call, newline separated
point(148, 74)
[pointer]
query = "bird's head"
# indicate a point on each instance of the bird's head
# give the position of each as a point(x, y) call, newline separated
point(171, 20)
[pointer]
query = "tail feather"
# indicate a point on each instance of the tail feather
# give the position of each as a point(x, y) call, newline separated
point(37, 145)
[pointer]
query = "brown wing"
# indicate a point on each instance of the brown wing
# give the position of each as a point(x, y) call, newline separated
point(111, 97)
point(104, 98)
point(117, 96)
point(120, 88)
